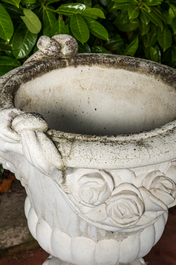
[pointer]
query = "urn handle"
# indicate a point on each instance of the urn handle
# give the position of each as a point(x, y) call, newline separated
point(59, 46)
point(22, 137)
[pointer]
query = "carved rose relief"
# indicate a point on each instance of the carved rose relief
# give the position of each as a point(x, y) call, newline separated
point(93, 188)
point(161, 187)
point(101, 197)
point(125, 206)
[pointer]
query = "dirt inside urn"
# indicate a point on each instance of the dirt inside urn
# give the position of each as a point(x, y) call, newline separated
point(98, 101)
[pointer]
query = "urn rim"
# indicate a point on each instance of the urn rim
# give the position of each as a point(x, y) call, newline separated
point(144, 148)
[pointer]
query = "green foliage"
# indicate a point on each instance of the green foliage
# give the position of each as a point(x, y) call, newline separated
point(141, 28)
point(6, 25)
point(1, 170)
point(23, 41)
point(79, 28)
point(31, 21)
point(7, 63)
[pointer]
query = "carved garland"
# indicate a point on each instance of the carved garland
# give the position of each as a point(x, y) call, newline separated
point(124, 205)
point(96, 194)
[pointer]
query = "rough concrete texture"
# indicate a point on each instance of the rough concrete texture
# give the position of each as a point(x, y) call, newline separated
point(13, 223)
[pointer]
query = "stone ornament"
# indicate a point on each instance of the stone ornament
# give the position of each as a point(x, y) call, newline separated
point(91, 199)
point(124, 205)
point(59, 46)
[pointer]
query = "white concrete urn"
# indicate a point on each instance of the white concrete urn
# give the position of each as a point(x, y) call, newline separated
point(92, 138)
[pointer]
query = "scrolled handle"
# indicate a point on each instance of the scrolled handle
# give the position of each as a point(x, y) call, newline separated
point(30, 122)
point(59, 46)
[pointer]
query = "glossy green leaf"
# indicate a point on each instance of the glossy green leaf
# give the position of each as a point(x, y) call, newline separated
point(49, 23)
point(115, 42)
point(84, 48)
point(165, 38)
point(132, 47)
point(146, 7)
point(93, 13)
point(5, 46)
point(144, 18)
point(13, 11)
point(123, 23)
point(6, 25)
point(166, 17)
point(173, 51)
point(7, 63)
point(154, 29)
point(149, 42)
point(123, 7)
point(102, 9)
point(31, 21)
point(150, 38)
point(174, 25)
point(100, 49)
point(171, 11)
point(122, 1)
point(23, 42)
point(36, 5)
point(170, 15)
point(104, 2)
point(157, 12)
point(48, 2)
point(60, 27)
point(85, 2)
point(79, 28)
point(96, 28)
point(67, 20)
point(27, 2)
point(155, 54)
point(13, 2)
point(173, 7)
point(144, 28)
point(133, 11)
point(153, 2)
point(154, 18)
point(71, 9)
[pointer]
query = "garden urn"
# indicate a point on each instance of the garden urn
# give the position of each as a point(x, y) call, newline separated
point(92, 138)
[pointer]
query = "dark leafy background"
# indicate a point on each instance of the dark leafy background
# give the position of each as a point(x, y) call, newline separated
point(141, 28)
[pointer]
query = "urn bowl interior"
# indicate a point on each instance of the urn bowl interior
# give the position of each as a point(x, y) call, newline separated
point(97, 100)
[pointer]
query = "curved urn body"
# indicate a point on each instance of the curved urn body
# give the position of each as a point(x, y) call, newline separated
point(92, 138)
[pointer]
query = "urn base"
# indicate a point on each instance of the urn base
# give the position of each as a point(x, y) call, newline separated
point(55, 261)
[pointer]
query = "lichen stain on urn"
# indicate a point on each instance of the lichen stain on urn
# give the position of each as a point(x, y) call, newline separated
point(98, 161)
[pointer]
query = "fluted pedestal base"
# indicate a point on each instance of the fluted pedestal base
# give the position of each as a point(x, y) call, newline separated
point(55, 261)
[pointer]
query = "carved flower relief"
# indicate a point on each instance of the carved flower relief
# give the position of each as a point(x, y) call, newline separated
point(123, 175)
point(125, 206)
point(103, 200)
point(161, 187)
point(94, 194)
point(171, 172)
point(92, 187)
